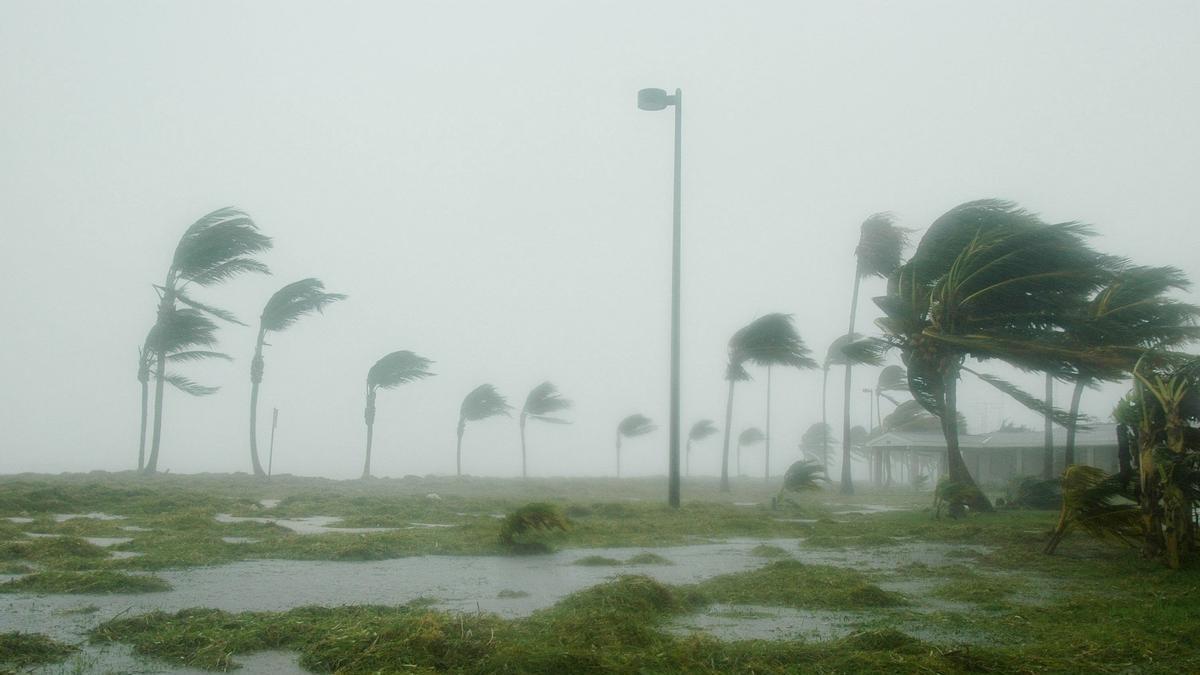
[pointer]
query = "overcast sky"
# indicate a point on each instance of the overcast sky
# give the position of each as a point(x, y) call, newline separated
point(477, 178)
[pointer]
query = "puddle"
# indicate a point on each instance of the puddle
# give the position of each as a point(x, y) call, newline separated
point(797, 520)
point(20, 520)
point(309, 525)
point(745, 503)
point(124, 555)
point(751, 622)
point(105, 542)
point(64, 517)
point(269, 503)
point(240, 540)
point(135, 528)
point(864, 509)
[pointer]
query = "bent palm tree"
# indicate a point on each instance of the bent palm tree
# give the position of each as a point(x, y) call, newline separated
point(749, 436)
point(183, 338)
point(631, 427)
point(880, 246)
point(542, 402)
point(214, 249)
point(699, 431)
point(281, 312)
point(391, 371)
point(483, 402)
point(988, 280)
point(814, 443)
point(770, 340)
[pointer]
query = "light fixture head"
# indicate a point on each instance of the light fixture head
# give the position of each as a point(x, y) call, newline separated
point(654, 99)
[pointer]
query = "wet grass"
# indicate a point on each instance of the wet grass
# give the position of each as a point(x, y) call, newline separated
point(791, 583)
point(769, 551)
point(88, 582)
point(22, 650)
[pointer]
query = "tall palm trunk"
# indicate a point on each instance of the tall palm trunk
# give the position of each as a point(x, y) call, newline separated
point(687, 460)
point(256, 374)
point(618, 454)
point(847, 484)
point(523, 474)
point(956, 467)
point(824, 419)
point(725, 448)
point(145, 380)
point(1048, 451)
point(738, 466)
point(166, 307)
point(1069, 451)
point(369, 417)
point(767, 446)
point(462, 427)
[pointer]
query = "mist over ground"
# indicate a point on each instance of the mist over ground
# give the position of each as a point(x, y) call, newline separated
point(477, 178)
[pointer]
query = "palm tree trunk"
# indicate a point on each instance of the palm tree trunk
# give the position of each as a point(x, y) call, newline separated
point(738, 466)
point(523, 473)
point(160, 375)
point(957, 468)
point(847, 484)
point(369, 416)
point(1048, 451)
point(687, 459)
point(618, 454)
point(462, 427)
point(256, 373)
point(824, 419)
point(725, 448)
point(767, 446)
point(1069, 451)
point(145, 410)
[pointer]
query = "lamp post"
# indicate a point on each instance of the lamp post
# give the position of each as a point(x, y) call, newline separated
point(657, 99)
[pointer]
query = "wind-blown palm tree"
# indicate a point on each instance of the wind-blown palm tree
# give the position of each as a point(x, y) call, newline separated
point(393, 370)
point(1134, 311)
point(988, 280)
point(214, 249)
point(699, 431)
point(891, 378)
point(770, 340)
point(542, 402)
point(631, 427)
point(834, 356)
point(880, 246)
point(183, 338)
point(749, 436)
point(483, 402)
point(281, 312)
point(814, 443)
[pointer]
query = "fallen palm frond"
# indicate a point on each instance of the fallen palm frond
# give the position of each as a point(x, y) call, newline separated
point(1094, 502)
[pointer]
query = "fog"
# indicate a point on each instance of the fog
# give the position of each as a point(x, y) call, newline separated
point(477, 179)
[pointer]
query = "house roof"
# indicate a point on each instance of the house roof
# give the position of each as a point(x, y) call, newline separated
point(1097, 436)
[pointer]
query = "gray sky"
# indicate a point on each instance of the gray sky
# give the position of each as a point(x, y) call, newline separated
point(477, 178)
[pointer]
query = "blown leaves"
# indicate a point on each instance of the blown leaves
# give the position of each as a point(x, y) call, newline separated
point(294, 301)
point(635, 425)
point(543, 402)
point(397, 368)
point(483, 402)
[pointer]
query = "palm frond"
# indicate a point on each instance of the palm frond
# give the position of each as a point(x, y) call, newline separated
point(207, 248)
point(543, 401)
point(1061, 417)
point(196, 355)
point(770, 340)
point(751, 436)
point(815, 437)
point(180, 331)
point(702, 430)
point(187, 386)
point(483, 402)
point(892, 378)
point(635, 425)
point(880, 245)
point(397, 368)
point(804, 476)
point(208, 309)
point(294, 301)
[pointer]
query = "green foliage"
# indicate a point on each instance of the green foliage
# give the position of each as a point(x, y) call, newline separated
point(770, 340)
point(791, 583)
point(87, 582)
point(292, 302)
point(483, 402)
point(543, 402)
point(397, 368)
point(955, 496)
point(1096, 503)
point(527, 527)
point(702, 430)
point(1028, 492)
point(880, 246)
point(635, 425)
point(751, 436)
point(804, 476)
point(22, 650)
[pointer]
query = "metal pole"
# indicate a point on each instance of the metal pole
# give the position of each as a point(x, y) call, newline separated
point(271, 451)
point(673, 481)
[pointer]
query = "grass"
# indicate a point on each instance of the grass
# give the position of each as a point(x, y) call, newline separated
point(89, 582)
point(22, 650)
point(791, 583)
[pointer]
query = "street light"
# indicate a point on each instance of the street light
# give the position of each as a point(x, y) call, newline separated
point(658, 99)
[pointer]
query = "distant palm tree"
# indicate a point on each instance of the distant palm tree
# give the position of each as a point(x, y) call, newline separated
point(214, 249)
point(880, 246)
point(542, 402)
point(891, 378)
point(182, 337)
point(749, 436)
point(836, 355)
point(631, 427)
point(700, 431)
point(390, 372)
point(770, 340)
point(281, 312)
point(814, 443)
point(483, 402)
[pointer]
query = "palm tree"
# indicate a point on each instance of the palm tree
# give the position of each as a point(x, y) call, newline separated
point(891, 378)
point(834, 356)
point(631, 427)
point(282, 311)
point(880, 245)
point(988, 280)
point(1131, 310)
point(483, 402)
point(699, 431)
point(814, 443)
point(391, 371)
point(214, 249)
point(182, 338)
point(542, 402)
point(749, 436)
point(770, 340)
